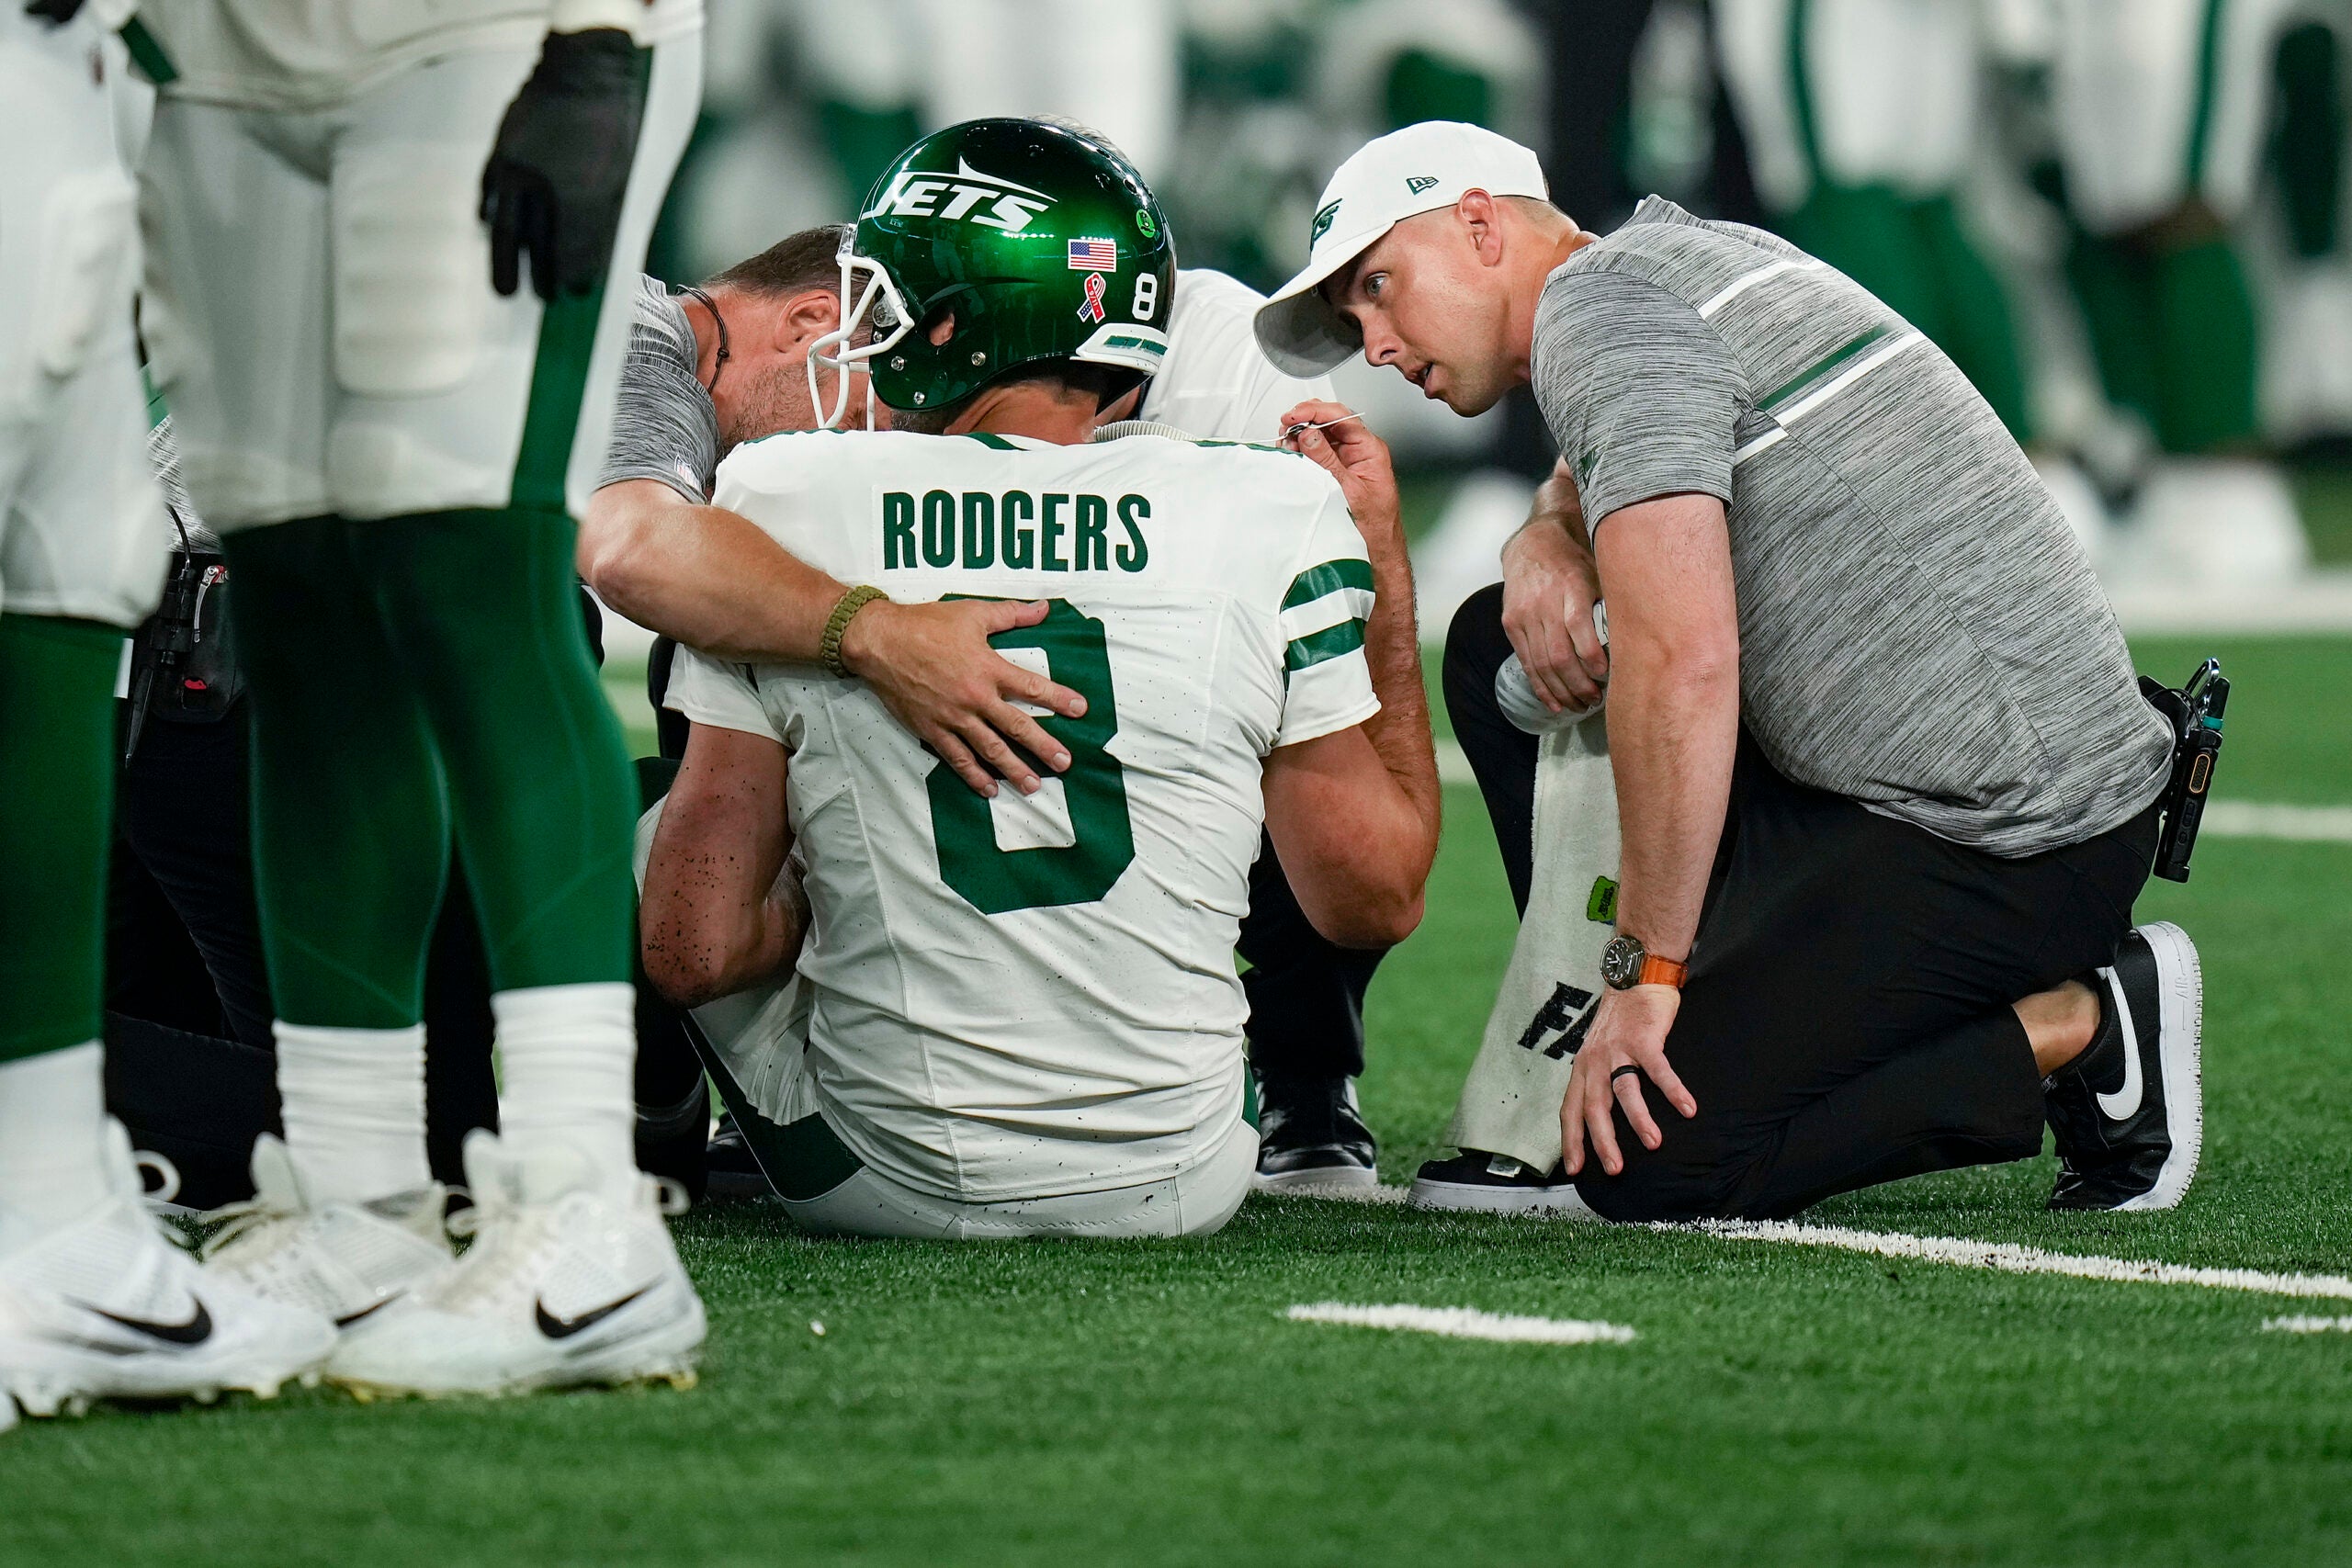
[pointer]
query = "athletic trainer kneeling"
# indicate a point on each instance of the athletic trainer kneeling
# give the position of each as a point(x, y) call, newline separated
point(1884, 781)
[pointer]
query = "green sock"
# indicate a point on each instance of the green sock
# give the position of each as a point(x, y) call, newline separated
point(413, 677)
point(1976, 327)
point(57, 763)
point(350, 831)
point(484, 611)
point(2114, 284)
point(2210, 349)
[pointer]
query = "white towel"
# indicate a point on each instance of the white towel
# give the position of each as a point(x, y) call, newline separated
point(1510, 1103)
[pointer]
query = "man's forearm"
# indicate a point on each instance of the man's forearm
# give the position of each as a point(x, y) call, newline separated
point(1399, 732)
point(1673, 728)
point(1554, 524)
point(709, 577)
point(695, 954)
point(1558, 506)
point(1673, 706)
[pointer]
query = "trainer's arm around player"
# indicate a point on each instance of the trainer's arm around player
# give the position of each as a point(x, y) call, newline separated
point(1354, 814)
point(728, 363)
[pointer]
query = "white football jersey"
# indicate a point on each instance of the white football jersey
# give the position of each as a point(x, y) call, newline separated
point(305, 55)
point(1020, 997)
point(1217, 382)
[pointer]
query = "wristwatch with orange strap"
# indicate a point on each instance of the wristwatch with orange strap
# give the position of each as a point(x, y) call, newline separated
point(1625, 963)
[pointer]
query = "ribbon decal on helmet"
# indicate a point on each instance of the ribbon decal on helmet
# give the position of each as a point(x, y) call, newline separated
point(1092, 309)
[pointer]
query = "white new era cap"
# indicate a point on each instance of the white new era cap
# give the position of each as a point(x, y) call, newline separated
point(1390, 179)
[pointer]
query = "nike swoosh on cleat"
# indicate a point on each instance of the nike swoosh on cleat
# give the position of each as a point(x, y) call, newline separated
point(195, 1331)
point(348, 1319)
point(2122, 1104)
point(556, 1327)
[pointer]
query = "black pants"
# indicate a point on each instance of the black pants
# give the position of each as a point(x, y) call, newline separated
point(1306, 991)
point(1848, 1017)
point(180, 909)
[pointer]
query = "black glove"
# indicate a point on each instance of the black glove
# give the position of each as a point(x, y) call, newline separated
point(560, 168)
point(58, 11)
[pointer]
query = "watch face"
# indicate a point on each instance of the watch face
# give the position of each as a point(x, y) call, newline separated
point(1620, 962)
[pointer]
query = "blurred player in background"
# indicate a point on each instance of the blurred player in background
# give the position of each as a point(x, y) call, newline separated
point(389, 428)
point(2162, 110)
point(1861, 117)
point(94, 1299)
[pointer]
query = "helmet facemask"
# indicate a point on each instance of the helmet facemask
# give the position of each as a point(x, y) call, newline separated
point(836, 350)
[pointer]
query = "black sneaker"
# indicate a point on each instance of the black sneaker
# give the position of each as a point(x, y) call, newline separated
point(1474, 1181)
point(2130, 1112)
point(670, 1140)
point(1311, 1135)
point(735, 1172)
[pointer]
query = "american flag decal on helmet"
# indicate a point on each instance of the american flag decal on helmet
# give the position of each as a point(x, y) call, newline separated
point(1093, 255)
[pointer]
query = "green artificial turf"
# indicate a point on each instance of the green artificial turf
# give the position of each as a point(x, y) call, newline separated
point(1069, 1403)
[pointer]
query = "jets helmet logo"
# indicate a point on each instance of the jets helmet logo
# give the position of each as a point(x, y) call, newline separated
point(1322, 225)
point(1008, 205)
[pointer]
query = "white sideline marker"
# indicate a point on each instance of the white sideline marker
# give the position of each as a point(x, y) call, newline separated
point(2007, 1257)
point(1465, 1322)
point(2308, 1325)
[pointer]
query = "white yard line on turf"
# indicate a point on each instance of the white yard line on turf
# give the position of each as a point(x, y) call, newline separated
point(2309, 1324)
point(2223, 819)
point(2302, 824)
point(2000, 1257)
point(1465, 1322)
point(2007, 1257)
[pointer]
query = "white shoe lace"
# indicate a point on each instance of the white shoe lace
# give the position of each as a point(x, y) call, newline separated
point(512, 1241)
point(167, 1178)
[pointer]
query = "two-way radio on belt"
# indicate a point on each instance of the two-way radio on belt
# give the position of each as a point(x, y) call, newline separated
point(2195, 713)
point(172, 632)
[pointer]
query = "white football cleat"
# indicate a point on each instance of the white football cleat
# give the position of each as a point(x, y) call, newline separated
point(562, 1286)
point(342, 1261)
point(105, 1306)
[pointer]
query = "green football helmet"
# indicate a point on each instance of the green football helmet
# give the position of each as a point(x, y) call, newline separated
point(1041, 237)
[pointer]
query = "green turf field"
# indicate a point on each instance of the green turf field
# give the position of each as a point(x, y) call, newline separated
point(1149, 1402)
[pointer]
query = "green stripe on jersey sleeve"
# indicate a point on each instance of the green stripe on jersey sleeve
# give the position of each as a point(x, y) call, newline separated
point(1332, 642)
point(1329, 578)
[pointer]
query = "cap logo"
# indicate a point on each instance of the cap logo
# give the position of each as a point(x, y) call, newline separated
point(914, 193)
point(1419, 183)
point(1322, 225)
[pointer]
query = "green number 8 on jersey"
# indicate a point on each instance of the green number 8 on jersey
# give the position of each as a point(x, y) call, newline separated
point(997, 881)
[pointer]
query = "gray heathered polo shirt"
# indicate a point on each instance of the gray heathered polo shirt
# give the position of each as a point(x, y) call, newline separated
point(1919, 629)
point(663, 424)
